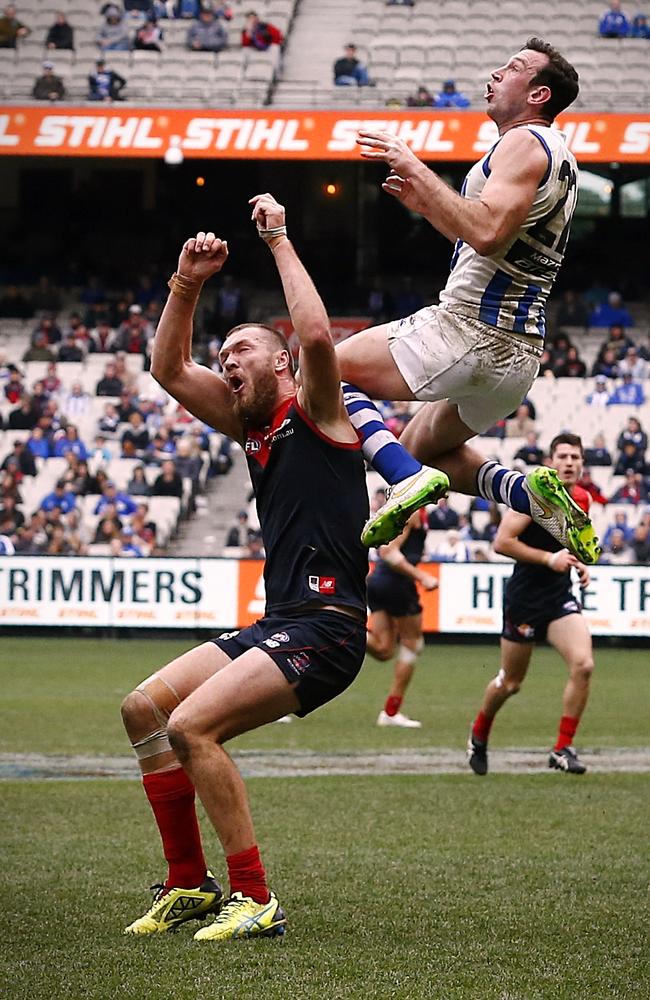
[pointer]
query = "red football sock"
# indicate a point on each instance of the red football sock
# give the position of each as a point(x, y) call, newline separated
point(392, 705)
point(567, 730)
point(482, 726)
point(171, 795)
point(246, 874)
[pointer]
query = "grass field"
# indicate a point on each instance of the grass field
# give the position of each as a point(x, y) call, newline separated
point(515, 887)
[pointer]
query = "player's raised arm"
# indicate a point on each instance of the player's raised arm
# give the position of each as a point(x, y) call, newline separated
point(320, 393)
point(486, 223)
point(201, 391)
point(508, 543)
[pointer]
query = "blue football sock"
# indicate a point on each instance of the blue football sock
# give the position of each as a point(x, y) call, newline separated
point(502, 485)
point(380, 447)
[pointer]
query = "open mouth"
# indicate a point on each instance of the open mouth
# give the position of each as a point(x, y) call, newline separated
point(489, 91)
point(235, 383)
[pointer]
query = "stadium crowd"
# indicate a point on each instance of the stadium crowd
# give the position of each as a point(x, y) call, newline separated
point(78, 399)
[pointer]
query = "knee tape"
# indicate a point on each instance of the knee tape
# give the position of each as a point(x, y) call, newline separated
point(500, 678)
point(419, 644)
point(162, 698)
point(406, 655)
point(152, 745)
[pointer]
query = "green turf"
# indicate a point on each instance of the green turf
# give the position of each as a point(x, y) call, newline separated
point(63, 696)
point(516, 887)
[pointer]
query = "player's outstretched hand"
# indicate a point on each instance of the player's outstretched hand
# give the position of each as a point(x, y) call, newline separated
point(267, 212)
point(202, 256)
point(381, 145)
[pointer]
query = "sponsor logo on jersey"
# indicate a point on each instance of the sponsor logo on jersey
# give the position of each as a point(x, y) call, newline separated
point(323, 584)
point(285, 430)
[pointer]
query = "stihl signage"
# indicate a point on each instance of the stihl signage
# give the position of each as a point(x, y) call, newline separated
point(287, 135)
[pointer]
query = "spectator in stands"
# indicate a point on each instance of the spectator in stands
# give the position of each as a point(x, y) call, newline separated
point(149, 37)
point(641, 544)
point(348, 71)
point(207, 34)
point(52, 383)
point(11, 29)
point(48, 86)
point(633, 490)
point(572, 311)
point(449, 97)
point(109, 420)
point(51, 330)
point(39, 350)
point(134, 332)
point(230, 306)
point(606, 364)
point(126, 405)
point(640, 27)
point(70, 442)
point(617, 552)
point(161, 447)
point(633, 433)
point(76, 403)
point(168, 483)
point(592, 488)
point(102, 338)
point(633, 364)
point(188, 460)
point(61, 34)
point(521, 423)
point(598, 453)
point(613, 23)
point(109, 525)
point(629, 458)
point(21, 458)
point(600, 395)
point(24, 417)
point(611, 313)
point(60, 497)
point(130, 545)
point(14, 305)
point(237, 535)
point(442, 517)
point(99, 452)
point(135, 439)
point(571, 365)
point(620, 523)
point(38, 444)
point(11, 517)
point(617, 341)
point(422, 98)
point(109, 384)
point(187, 9)
point(260, 35)
point(138, 485)
point(530, 453)
point(13, 387)
point(630, 393)
point(70, 349)
point(105, 84)
point(114, 35)
point(112, 497)
point(143, 526)
point(254, 548)
point(451, 549)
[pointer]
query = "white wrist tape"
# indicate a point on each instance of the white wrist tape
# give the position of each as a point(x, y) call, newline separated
point(268, 234)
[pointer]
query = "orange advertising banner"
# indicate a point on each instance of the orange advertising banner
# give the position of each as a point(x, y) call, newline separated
point(291, 135)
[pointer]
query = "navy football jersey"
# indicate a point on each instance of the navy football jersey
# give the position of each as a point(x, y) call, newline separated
point(312, 503)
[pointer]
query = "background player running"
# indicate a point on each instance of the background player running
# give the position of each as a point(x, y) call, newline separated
point(396, 613)
point(311, 642)
point(475, 355)
point(539, 603)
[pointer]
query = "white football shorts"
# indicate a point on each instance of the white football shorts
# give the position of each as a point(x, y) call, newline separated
point(485, 372)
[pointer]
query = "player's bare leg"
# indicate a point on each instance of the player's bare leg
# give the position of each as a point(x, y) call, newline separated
point(572, 639)
point(382, 636)
point(189, 891)
point(515, 660)
point(248, 693)
point(411, 642)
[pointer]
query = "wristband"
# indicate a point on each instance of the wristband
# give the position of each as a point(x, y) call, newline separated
point(272, 236)
point(184, 288)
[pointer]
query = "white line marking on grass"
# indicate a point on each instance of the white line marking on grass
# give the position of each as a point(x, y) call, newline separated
point(306, 763)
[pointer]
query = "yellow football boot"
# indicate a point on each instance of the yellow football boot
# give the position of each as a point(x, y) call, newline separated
point(172, 907)
point(241, 917)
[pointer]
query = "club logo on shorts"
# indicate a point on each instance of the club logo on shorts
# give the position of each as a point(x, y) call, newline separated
point(271, 643)
point(280, 636)
point(570, 606)
point(229, 635)
point(299, 663)
point(323, 584)
point(526, 631)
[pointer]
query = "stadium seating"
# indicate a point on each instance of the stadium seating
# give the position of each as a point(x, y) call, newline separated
point(403, 46)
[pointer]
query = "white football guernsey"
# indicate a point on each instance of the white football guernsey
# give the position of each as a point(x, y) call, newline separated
point(509, 289)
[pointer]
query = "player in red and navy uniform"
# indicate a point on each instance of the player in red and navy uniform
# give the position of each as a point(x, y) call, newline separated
point(308, 474)
point(396, 613)
point(540, 603)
